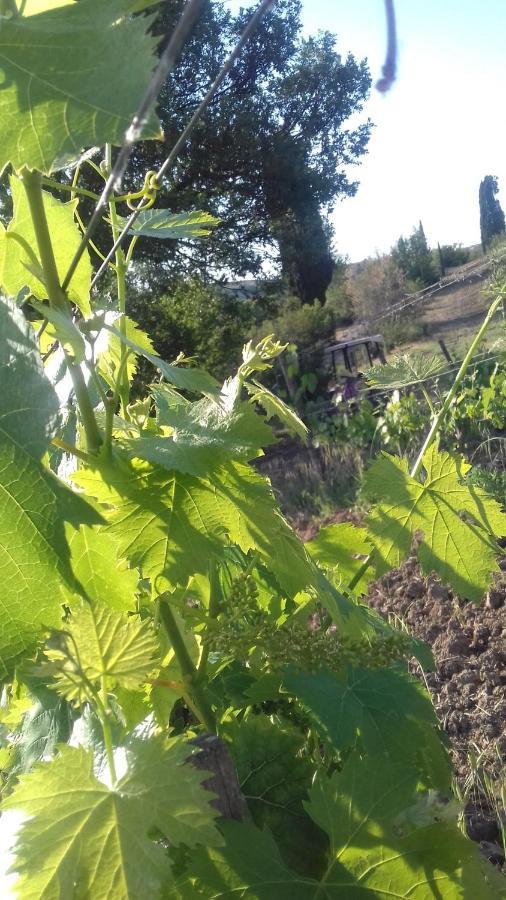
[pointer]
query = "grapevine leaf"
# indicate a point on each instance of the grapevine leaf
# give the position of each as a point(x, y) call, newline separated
point(461, 550)
point(18, 244)
point(165, 523)
point(336, 549)
point(83, 839)
point(109, 358)
point(103, 576)
point(170, 524)
point(47, 723)
point(253, 522)
point(386, 708)
point(99, 643)
point(160, 223)
point(49, 112)
point(34, 506)
point(274, 407)
point(170, 791)
point(275, 779)
point(28, 403)
point(34, 554)
point(409, 368)
point(367, 856)
point(204, 436)
point(33, 7)
point(182, 377)
point(64, 330)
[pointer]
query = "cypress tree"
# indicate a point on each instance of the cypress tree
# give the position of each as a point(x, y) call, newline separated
point(491, 214)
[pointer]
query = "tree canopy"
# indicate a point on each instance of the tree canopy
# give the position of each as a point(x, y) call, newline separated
point(270, 155)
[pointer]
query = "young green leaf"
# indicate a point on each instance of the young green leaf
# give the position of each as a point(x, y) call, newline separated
point(101, 646)
point(204, 435)
point(162, 224)
point(338, 548)
point(34, 506)
point(49, 112)
point(170, 524)
point(84, 840)
point(275, 408)
point(458, 521)
point(18, 245)
point(28, 402)
point(64, 330)
point(409, 368)
point(109, 356)
point(102, 575)
point(181, 376)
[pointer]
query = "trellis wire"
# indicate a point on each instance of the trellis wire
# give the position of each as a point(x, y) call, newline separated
point(185, 134)
point(167, 62)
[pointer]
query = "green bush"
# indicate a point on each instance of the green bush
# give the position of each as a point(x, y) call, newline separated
point(197, 319)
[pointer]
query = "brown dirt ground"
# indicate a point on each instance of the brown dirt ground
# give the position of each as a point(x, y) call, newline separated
point(468, 686)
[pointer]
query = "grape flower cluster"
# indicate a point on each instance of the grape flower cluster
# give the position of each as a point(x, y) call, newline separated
point(242, 627)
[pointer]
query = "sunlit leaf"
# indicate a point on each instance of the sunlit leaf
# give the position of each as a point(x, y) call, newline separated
point(276, 408)
point(406, 369)
point(170, 524)
point(162, 224)
point(458, 521)
point(18, 245)
point(204, 435)
point(102, 575)
point(101, 646)
point(49, 112)
point(84, 839)
point(341, 549)
point(34, 506)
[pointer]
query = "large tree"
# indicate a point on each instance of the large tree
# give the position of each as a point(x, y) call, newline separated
point(270, 155)
point(491, 213)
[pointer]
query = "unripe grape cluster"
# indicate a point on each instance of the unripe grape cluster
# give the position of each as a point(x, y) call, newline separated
point(242, 626)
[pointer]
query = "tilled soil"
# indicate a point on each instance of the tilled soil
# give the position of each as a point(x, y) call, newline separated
point(468, 685)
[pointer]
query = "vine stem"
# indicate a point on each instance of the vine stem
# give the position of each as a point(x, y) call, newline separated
point(439, 418)
point(58, 300)
point(197, 700)
point(121, 269)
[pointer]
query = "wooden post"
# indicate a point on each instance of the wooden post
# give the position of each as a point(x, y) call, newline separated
point(445, 351)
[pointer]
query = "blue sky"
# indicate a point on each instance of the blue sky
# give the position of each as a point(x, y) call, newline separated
point(441, 128)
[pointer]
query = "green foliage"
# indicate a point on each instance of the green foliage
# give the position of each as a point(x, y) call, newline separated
point(34, 506)
point(73, 816)
point(18, 248)
point(158, 223)
point(338, 549)
point(458, 524)
point(100, 648)
point(178, 601)
point(404, 370)
point(491, 214)
point(351, 807)
point(49, 113)
point(413, 256)
point(101, 573)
